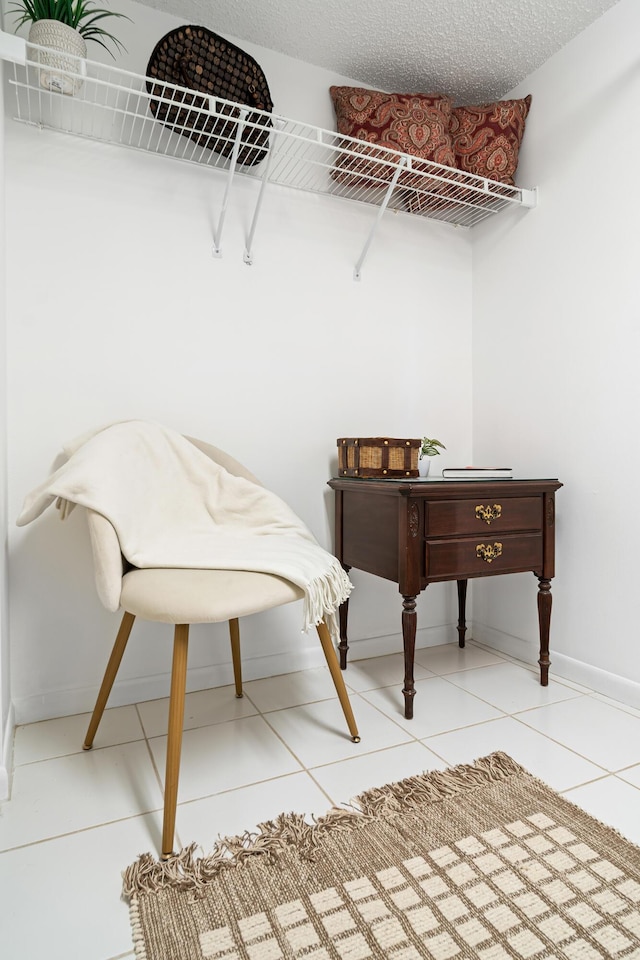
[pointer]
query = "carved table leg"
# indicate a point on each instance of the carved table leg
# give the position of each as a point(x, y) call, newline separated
point(544, 619)
point(409, 619)
point(343, 616)
point(462, 616)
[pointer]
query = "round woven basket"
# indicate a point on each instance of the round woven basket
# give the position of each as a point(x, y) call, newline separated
point(64, 72)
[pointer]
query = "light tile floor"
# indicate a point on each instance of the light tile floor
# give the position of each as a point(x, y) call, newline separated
point(76, 819)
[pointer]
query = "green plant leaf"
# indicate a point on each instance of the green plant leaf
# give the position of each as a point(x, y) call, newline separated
point(429, 447)
point(82, 15)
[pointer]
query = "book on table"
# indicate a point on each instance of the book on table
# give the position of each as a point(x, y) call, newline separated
point(477, 473)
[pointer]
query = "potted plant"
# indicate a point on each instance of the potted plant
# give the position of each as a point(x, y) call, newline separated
point(65, 26)
point(429, 448)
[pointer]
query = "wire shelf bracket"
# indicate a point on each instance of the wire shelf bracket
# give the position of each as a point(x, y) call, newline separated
point(116, 106)
point(381, 209)
point(264, 180)
point(217, 237)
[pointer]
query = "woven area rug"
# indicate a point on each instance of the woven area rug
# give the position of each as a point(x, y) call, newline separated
point(482, 860)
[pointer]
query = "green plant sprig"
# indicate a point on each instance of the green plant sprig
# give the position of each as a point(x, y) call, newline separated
point(82, 15)
point(429, 447)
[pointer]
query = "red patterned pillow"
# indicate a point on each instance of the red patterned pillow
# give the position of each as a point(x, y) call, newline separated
point(486, 138)
point(409, 122)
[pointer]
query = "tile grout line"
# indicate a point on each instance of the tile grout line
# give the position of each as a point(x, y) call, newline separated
point(78, 830)
point(308, 769)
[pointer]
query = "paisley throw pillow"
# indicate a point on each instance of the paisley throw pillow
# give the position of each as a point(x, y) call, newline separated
point(486, 138)
point(412, 123)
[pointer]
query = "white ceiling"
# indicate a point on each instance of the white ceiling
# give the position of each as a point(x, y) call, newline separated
point(474, 50)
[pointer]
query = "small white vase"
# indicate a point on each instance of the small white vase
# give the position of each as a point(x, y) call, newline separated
point(423, 466)
point(65, 72)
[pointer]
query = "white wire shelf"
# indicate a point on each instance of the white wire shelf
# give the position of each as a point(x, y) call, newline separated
point(104, 103)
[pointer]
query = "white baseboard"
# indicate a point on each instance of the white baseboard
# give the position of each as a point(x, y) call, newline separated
point(600, 681)
point(392, 643)
point(6, 765)
point(64, 703)
point(501, 642)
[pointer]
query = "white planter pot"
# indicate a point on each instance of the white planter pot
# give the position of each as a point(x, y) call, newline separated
point(423, 466)
point(64, 73)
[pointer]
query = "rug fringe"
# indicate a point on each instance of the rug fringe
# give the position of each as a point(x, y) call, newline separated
point(187, 871)
point(437, 785)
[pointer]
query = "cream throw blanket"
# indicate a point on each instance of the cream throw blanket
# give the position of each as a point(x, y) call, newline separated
point(172, 506)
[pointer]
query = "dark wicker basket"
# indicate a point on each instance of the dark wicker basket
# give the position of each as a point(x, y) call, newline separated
point(197, 58)
point(378, 457)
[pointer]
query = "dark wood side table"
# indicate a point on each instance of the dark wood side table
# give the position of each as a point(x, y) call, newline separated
point(417, 532)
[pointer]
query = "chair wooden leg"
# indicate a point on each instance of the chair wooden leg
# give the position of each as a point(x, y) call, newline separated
point(174, 740)
point(109, 676)
point(234, 630)
point(336, 674)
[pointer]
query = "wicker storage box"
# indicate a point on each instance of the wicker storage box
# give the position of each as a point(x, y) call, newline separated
point(377, 457)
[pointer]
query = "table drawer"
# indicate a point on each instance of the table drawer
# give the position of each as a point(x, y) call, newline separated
point(484, 515)
point(482, 555)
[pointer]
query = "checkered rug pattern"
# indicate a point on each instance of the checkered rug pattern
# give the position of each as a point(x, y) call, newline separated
point(549, 883)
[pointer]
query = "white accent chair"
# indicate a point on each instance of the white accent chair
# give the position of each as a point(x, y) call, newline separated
point(183, 597)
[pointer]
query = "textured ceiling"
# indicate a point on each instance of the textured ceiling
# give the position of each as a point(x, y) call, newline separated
point(473, 50)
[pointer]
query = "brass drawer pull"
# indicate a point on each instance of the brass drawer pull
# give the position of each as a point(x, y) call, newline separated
point(488, 513)
point(488, 551)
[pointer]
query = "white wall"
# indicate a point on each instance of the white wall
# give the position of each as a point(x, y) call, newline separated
point(6, 712)
point(556, 338)
point(116, 309)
